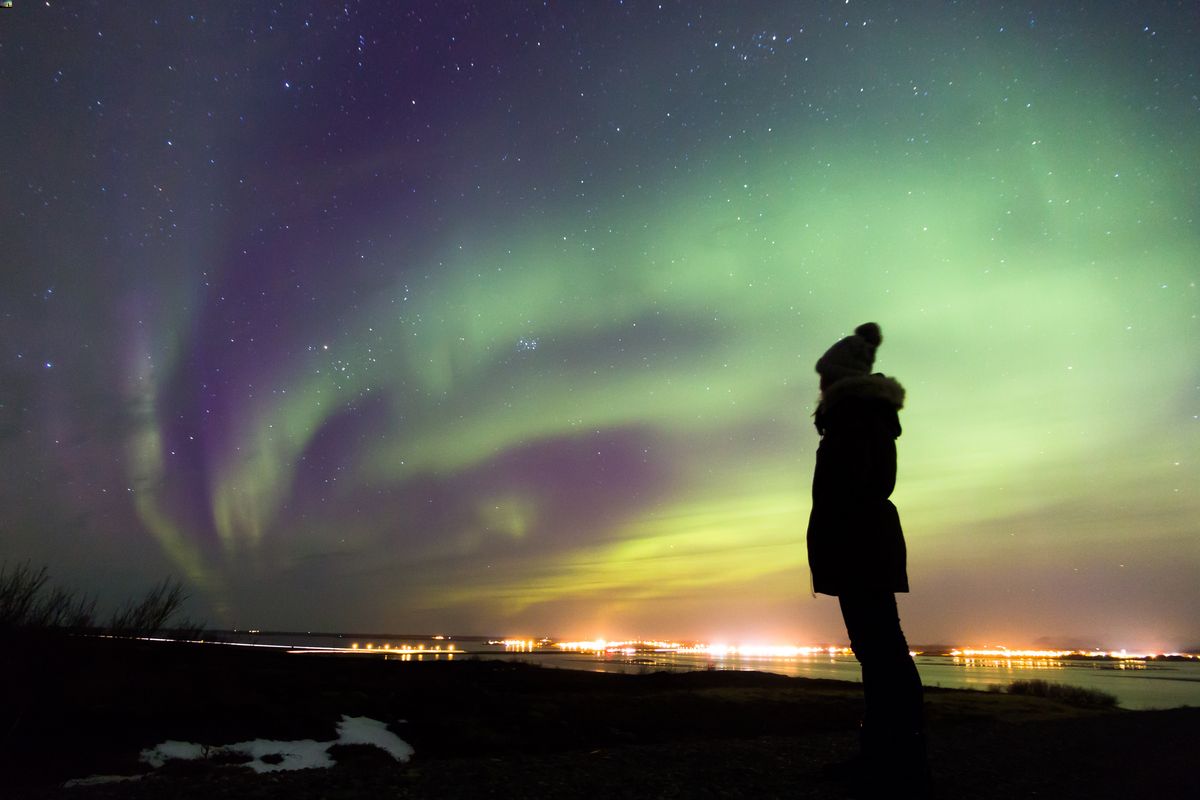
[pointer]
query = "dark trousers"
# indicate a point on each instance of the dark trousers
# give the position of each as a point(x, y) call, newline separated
point(891, 685)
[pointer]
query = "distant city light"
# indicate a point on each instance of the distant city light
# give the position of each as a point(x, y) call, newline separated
point(700, 648)
point(716, 651)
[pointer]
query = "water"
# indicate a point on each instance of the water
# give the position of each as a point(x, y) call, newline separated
point(1136, 683)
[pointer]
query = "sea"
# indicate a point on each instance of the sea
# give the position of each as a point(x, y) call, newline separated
point(1136, 682)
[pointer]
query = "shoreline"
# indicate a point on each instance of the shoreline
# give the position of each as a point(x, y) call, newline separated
point(1126, 677)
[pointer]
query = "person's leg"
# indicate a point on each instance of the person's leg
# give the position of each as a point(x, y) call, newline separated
point(892, 728)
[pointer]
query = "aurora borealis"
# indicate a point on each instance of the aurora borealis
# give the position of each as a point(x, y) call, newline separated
point(501, 317)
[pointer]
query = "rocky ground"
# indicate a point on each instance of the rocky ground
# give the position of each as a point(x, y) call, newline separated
point(500, 729)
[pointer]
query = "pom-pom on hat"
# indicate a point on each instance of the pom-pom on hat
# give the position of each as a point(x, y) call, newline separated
point(852, 356)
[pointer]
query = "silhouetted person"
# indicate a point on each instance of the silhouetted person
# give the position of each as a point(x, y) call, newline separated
point(856, 552)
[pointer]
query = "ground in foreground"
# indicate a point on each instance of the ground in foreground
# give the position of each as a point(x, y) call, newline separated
point(502, 729)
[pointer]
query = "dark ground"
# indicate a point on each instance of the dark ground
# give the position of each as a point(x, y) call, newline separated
point(73, 708)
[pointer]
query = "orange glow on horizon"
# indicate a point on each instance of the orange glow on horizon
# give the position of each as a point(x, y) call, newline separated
point(632, 647)
point(714, 650)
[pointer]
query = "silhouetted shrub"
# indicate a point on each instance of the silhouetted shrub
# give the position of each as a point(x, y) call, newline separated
point(27, 603)
point(1070, 695)
point(149, 615)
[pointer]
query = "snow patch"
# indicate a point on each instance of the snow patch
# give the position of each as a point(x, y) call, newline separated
point(364, 730)
point(300, 754)
point(162, 753)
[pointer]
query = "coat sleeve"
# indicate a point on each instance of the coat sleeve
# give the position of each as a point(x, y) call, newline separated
point(869, 459)
point(880, 452)
point(856, 461)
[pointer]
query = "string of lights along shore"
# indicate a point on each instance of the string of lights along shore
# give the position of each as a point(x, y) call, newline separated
point(498, 318)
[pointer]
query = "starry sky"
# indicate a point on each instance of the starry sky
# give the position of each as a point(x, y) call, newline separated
point(501, 317)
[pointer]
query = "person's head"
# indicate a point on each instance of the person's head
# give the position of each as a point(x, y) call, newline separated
point(853, 356)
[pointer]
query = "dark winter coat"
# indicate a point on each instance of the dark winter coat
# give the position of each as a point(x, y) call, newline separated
point(855, 542)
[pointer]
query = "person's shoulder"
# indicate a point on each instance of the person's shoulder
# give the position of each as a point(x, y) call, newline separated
point(866, 391)
point(868, 405)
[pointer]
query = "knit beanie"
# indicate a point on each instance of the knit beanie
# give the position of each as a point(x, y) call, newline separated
point(852, 356)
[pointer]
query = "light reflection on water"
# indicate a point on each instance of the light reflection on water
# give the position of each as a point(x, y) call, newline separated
point(1137, 683)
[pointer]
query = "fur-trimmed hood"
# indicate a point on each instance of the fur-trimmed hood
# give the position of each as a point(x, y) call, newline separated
point(876, 386)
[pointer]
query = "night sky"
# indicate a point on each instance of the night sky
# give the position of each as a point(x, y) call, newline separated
point(501, 317)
